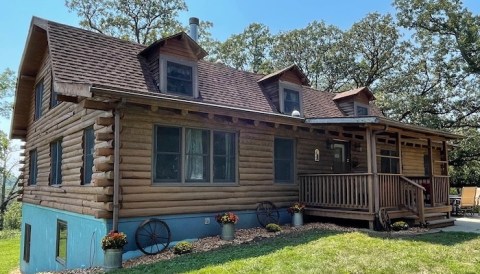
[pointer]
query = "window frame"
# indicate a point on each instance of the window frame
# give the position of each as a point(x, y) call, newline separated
point(389, 155)
point(27, 241)
point(356, 105)
point(163, 60)
point(293, 87)
point(57, 248)
point(293, 159)
point(85, 155)
point(33, 164)
point(53, 94)
point(182, 167)
point(37, 113)
point(58, 166)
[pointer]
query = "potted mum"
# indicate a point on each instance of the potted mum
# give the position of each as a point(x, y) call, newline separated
point(228, 221)
point(112, 244)
point(296, 210)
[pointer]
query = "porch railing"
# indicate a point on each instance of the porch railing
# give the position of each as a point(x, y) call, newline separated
point(348, 191)
point(437, 189)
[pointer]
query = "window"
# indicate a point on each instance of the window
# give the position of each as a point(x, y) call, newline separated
point(33, 168)
point(224, 151)
point(56, 162)
point(188, 155)
point(197, 156)
point(389, 161)
point(53, 95)
point(62, 236)
point(88, 142)
point(284, 160)
point(290, 98)
point(426, 165)
point(38, 100)
point(360, 109)
point(178, 77)
point(26, 242)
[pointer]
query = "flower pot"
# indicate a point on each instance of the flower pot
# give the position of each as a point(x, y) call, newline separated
point(228, 232)
point(297, 219)
point(112, 259)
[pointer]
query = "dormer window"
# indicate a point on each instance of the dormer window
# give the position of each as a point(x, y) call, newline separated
point(290, 98)
point(361, 109)
point(178, 77)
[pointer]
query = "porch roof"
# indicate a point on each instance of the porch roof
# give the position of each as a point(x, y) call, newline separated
point(382, 121)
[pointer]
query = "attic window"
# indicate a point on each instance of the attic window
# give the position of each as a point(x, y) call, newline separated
point(361, 109)
point(178, 77)
point(290, 98)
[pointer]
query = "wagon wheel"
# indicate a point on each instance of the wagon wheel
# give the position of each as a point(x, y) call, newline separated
point(267, 213)
point(384, 219)
point(152, 236)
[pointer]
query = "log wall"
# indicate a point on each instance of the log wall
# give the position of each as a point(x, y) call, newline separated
point(66, 121)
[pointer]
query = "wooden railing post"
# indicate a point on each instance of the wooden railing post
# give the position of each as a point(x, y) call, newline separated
point(420, 206)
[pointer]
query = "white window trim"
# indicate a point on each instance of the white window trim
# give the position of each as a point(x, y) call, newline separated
point(163, 74)
point(357, 104)
point(281, 90)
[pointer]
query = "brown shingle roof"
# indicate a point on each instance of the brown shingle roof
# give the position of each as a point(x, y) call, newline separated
point(353, 92)
point(82, 56)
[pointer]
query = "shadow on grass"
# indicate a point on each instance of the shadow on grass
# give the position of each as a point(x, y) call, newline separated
point(195, 261)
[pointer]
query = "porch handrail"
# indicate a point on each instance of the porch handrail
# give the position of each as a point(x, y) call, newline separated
point(412, 183)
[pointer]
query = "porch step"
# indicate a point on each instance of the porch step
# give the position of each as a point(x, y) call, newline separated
point(440, 223)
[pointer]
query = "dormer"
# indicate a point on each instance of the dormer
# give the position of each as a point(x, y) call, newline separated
point(355, 102)
point(174, 62)
point(284, 88)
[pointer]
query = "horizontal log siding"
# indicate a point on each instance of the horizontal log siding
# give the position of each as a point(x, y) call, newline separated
point(66, 121)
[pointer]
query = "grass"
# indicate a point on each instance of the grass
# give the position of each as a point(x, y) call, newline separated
point(9, 248)
point(334, 252)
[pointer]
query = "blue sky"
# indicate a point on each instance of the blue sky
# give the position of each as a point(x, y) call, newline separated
point(228, 16)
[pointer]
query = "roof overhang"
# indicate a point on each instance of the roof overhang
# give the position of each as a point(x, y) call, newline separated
point(35, 47)
point(381, 121)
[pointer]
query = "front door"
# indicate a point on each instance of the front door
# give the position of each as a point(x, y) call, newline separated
point(341, 161)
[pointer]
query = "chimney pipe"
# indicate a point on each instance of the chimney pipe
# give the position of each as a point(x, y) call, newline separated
point(194, 22)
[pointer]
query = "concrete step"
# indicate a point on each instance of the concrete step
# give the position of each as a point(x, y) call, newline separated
point(440, 223)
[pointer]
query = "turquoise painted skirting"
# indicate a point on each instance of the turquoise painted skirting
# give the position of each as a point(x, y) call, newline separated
point(85, 234)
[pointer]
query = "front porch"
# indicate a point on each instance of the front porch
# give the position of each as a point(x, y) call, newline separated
point(397, 168)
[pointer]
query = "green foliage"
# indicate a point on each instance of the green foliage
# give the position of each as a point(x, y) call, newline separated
point(7, 85)
point(9, 234)
point(399, 225)
point(273, 228)
point(114, 240)
point(182, 248)
point(140, 21)
point(13, 216)
point(10, 249)
point(333, 252)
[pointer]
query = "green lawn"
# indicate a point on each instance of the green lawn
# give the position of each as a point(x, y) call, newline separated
point(334, 252)
point(9, 250)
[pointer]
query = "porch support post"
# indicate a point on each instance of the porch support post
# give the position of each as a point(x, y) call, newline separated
point(430, 162)
point(445, 158)
point(376, 188)
point(399, 150)
point(368, 137)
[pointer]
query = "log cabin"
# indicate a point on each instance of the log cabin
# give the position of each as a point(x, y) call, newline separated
point(117, 133)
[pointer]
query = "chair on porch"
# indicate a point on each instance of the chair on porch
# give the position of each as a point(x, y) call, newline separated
point(468, 200)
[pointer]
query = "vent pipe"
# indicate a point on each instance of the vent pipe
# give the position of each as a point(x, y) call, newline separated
point(194, 23)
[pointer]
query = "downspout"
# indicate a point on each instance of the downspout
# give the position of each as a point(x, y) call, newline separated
point(116, 165)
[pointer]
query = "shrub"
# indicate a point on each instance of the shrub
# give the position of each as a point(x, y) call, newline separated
point(13, 216)
point(273, 228)
point(400, 225)
point(182, 248)
point(9, 234)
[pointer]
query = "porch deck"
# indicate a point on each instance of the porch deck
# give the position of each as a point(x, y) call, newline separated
point(359, 196)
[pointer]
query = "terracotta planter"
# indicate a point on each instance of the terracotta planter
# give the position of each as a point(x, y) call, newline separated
point(228, 232)
point(112, 259)
point(297, 219)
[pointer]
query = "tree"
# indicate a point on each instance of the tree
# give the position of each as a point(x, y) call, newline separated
point(315, 49)
point(6, 166)
point(7, 84)
point(248, 50)
point(134, 20)
point(449, 20)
